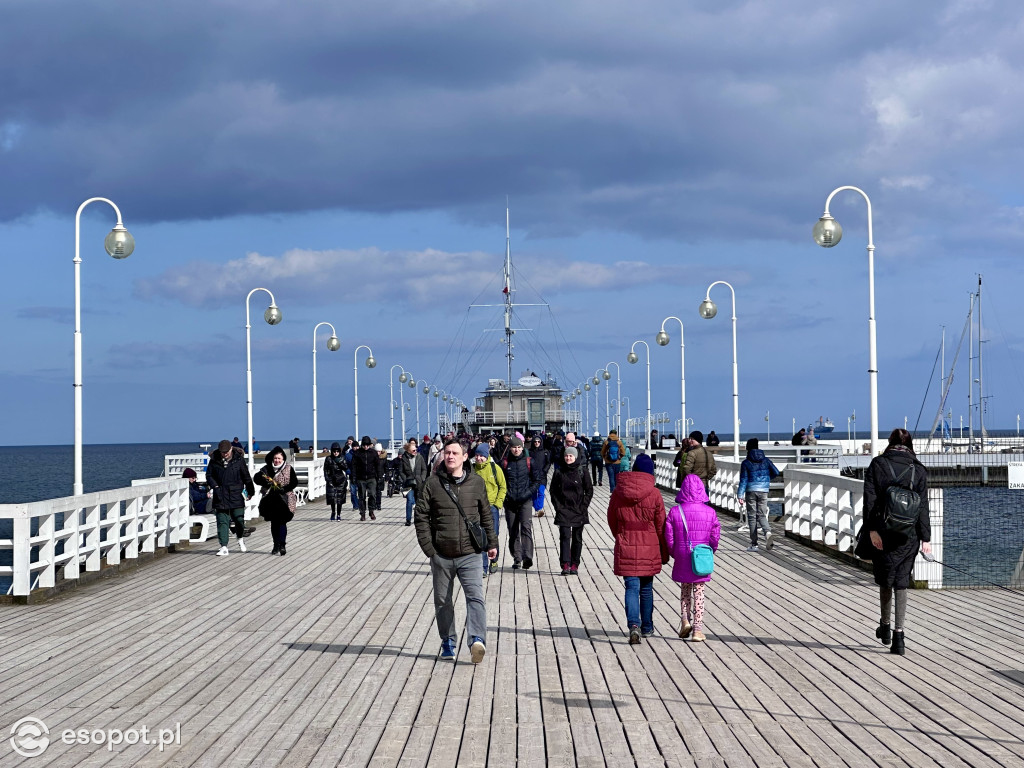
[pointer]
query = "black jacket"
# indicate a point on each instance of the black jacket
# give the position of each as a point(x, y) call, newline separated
point(440, 528)
point(365, 464)
point(571, 492)
point(412, 468)
point(894, 563)
point(521, 478)
point(227, 480)
point(541, 460)
point(336, 470)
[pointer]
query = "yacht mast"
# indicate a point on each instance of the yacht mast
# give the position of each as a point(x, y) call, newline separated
point(981, 393)
point(970, 378)
point(508, 309)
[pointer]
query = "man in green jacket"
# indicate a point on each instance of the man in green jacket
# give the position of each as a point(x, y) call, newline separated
point(494, 479)
point(444, 538)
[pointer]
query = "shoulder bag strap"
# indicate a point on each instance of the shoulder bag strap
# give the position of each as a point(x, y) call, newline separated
point(689, 542)
point(448, 490)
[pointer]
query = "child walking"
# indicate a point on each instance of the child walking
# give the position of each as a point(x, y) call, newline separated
point(691, 522)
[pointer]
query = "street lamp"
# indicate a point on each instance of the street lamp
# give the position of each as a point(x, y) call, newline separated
point(273, 316)
point(119, 244)
point(404, 377)
point(768, 418)
point(618, 394)
point(708, 310)
point(663, 339)
point(333, 344)
point(371, 362)
point(632, 358)
point(828, 233)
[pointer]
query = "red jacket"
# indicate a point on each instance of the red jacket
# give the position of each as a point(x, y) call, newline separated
point(636, 517)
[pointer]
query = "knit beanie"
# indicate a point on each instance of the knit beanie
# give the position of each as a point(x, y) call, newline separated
point(697, 435)
point(644, 463)
point(572, 450)
point(752, 443)
point(482, 450)
point(188, 473)
point(515, 441)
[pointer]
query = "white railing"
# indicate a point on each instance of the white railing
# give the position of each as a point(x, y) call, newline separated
point(77, 533)
point(175, 464)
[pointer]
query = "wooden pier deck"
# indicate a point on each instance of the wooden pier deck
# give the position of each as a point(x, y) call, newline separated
point(328, 656)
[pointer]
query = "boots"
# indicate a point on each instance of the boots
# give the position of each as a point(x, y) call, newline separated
point(897, 644)
point(884, 634)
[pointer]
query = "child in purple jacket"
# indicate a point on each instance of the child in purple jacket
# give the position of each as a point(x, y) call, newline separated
point(704, 528)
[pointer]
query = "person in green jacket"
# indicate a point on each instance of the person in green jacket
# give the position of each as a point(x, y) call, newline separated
point(494, 479)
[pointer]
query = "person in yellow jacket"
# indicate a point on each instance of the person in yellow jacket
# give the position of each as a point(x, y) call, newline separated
point(494, 479)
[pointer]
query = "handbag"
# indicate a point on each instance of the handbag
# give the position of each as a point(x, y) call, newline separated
point(702, 556)
point(477, 534)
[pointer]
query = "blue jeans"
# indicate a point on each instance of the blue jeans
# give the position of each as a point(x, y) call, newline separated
point(353, 487)
point(410, 502)
point(613, 474)
point(640, 602)
point(496, 514)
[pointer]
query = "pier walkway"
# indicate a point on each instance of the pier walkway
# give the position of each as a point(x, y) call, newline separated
point(328, 656)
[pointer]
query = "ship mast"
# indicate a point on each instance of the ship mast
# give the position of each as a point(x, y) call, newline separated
point(508, 309)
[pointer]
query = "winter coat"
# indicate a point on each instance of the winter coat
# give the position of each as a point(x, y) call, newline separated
point(440, 528)
point(541, 460)
point(702, 524)
point(335, 469)
point(412, 467)
point(756, 472)
point(494, 479)
point(521, 478)
point(636, 517)
point(365, 464)
point(607, 445)
point(227, 480)
point(697, 461)
point(894, 563)
point(197, 499)
point(571, 492)
point(277, 504)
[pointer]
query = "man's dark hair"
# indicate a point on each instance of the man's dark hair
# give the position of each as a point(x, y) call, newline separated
point(456, 441)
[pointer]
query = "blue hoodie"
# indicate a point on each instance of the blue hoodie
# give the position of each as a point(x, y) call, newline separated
point(756, 472)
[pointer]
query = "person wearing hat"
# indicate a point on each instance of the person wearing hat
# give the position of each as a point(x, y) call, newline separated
point(366, 474)
point(636, 518)
point(277, 505)
point(412, 474)
point(494, 479)
point(424, 448)
point(521, 481)
point(596, 460)
point(697, 460)
point(382, 471)
point(336, 479)
point(541, 460)
point(348, 451)
point(229, 479)
point(571, 492)
point(198, 496)
point(756, 474)
point(612, 452)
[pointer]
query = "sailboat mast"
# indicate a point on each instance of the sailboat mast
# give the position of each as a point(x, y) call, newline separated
point(981, 392)
point(508, 308)
point(970, 377)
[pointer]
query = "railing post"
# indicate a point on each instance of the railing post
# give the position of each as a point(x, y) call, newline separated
point(131, 551)
point(22, 561)
point(114, 533)
point(73, 542)
point(47, 549)
point(92, 538)
point(148, 523)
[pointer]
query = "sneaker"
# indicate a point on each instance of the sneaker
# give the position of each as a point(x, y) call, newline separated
point(477, 650)
point(527, 563)
point(646, 632)
point(698, 637)
point(222, 552)
point(283, 551)
point(539, 513)
point(769, 541)
point(408, 522)
point(487, 572)
point(743, 528)
point(494, 566)
point(515, 566)
point(333, 516)
point(685, 629)
point(241, 546)
point(752, 548)
point(447, 649)
point(634, 635)
point(565, 569)
point(574, 570)
point(249, 532)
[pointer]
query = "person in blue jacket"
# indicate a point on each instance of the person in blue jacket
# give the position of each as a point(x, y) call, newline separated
point(756, 474)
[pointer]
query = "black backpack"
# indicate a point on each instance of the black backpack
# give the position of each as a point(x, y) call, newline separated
point(901, 505)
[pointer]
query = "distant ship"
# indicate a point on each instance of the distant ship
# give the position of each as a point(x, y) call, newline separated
point(823, 427)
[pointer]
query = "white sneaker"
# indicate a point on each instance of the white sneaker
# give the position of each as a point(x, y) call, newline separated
point(752, 548)
point(769, 541)
point(241, 545)
point(222, 552)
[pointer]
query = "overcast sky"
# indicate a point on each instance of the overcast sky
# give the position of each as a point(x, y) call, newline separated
point(355, 158)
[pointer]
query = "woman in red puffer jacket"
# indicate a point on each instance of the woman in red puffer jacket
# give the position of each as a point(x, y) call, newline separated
point(636, 517)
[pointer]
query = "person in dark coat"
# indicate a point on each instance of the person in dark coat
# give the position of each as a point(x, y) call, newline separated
point(198, 495)
point(366, 474)
point(571, 492)
point(348, 451)
point(229, 479)
point(412, 474)
point(541, 461)
point(596, 461)
point(443, 537)
point(893, 553)
point(278, 480)
point(636, 517)
point(383, 467)
point(521, 481)
point(336, 478)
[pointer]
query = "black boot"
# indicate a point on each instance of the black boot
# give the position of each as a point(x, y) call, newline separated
point(283, 550)
point(897, 643)
point(276, 550)
point(884, 634)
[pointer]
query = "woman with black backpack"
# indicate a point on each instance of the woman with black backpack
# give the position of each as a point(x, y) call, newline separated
point(897, 524)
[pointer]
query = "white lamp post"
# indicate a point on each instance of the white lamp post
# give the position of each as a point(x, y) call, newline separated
point(371, 362)
point(597, 403)
point(273, 316)
point(708, 310)
point(768, 418)
point(618, 394)
point(426, 391)
point(828, 233)
point(632, 357)
point(663, 339)
point(119, 244)
point(404, 377)
point(333, 344)
point(415, 394)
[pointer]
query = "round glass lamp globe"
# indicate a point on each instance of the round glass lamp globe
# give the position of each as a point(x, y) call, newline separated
point(827, 232)
point(661, 338)
point(334, 344)
point(708, 309)
point(371, 362)
point(403, 378)
point(605, 375)
point(587, 386)
point(272, 315)
point(631, 357)
point(119, 243)
point(412, 383)
point(596, 381)
point(436, 393)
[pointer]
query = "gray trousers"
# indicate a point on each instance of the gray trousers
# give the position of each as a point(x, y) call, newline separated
point(757, 513)
point(519, 518)
point(444, 571)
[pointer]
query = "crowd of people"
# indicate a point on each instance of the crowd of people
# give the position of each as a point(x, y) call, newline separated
point(457, 487)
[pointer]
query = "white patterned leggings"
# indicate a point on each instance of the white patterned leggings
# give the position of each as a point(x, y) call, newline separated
point(692, 605)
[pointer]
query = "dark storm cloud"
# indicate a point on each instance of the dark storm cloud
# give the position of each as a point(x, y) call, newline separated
point(723, 119)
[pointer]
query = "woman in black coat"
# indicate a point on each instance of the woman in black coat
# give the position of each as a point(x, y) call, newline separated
point(278, 480)
point(571, 492)
point(892, 554)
